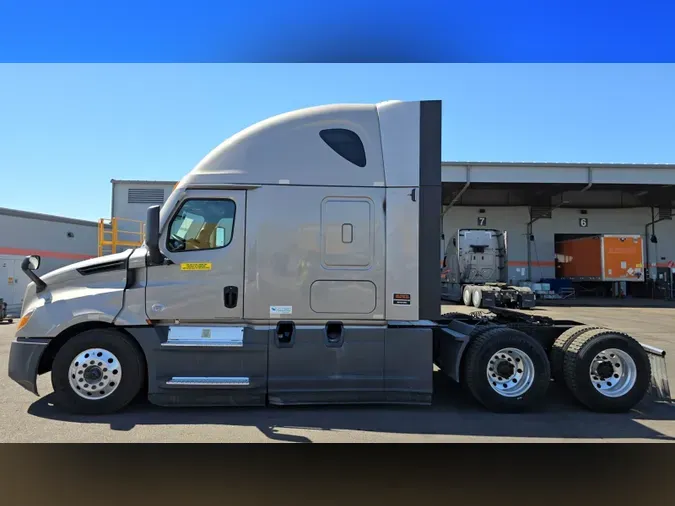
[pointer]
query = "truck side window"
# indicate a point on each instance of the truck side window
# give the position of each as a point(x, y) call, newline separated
point(345, 143)
point(201, 225)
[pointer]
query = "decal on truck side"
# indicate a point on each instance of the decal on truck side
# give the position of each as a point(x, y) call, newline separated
point(281, 310)
point(196, 266)
point(401, 299)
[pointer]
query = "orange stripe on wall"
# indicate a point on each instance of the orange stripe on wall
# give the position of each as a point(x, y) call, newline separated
point(43, 253)
point(514, 263)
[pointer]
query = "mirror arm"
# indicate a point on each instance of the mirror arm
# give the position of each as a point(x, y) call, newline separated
point(26, 268)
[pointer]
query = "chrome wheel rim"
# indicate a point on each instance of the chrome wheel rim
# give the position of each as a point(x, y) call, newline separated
point(95, 374)
point(613, 372)
point(510, 372)
point(467, 297)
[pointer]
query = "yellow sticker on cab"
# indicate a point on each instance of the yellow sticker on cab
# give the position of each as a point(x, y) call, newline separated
point(196, 266)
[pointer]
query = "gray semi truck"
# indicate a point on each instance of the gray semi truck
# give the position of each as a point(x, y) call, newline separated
point(297, 263)
point(474, 271)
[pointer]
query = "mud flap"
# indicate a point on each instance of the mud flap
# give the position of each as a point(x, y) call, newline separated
point(489, 299)
point(659, 387)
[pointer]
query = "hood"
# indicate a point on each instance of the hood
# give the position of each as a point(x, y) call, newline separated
point(91, 266)
point(90, 273)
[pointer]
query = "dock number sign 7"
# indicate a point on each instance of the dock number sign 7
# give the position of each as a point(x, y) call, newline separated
point(583, 222)
point(482, 221)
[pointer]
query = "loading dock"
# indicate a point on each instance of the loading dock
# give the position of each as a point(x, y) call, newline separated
point(535, 202)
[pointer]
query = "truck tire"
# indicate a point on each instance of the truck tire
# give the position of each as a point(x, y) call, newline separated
point(560, 346)
point(506, 370)
point(96, 372)
point(467, 295)
point(607, 371)
point(477, 298)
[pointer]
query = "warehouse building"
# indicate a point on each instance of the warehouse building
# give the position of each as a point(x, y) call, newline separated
point(58, 240)
point(536, 204)
point(540, 204)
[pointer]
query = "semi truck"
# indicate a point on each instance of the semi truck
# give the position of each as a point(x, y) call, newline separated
point(474, 271)
point(297, 264)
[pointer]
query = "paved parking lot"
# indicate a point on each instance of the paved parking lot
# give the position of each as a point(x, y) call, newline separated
point(452, 418)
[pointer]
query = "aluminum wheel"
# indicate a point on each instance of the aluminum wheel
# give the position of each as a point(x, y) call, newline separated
point(95, 374)
point(613, 372)
point(510, 372)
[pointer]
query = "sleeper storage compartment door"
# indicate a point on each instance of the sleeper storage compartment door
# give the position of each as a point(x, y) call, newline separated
point(325, 364)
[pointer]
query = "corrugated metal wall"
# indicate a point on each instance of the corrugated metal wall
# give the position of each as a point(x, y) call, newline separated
point(131, 200)
point(59, 243)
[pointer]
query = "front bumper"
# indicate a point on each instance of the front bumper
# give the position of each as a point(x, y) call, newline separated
point(24, 360)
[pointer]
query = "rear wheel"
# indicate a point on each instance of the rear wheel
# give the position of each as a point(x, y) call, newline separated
point(97, 372)
point(506, 370)
point(560, 346)
point(467, 296)
point(477, 298)
point(607, 371)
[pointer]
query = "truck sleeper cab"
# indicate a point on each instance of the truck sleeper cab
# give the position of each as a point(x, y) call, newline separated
point(295, 264)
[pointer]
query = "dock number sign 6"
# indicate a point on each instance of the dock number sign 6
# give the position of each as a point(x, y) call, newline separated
point(583, 222)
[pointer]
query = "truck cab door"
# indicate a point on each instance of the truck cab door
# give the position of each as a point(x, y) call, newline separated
point(203, 240)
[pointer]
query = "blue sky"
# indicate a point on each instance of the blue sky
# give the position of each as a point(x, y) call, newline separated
point(66, 130)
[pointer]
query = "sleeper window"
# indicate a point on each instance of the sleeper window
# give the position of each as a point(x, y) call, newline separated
point(345, 143)
point(202, 225)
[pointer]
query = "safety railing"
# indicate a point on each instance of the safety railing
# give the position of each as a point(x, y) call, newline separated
point(118, 234)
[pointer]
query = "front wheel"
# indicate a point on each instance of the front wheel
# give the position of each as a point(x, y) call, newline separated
point(99, 371)
point(506, 370)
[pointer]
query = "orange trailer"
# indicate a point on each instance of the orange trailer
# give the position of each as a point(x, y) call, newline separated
point(601, 258)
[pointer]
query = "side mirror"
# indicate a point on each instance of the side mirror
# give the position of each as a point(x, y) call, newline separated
point(32, 262)
point(152, 235)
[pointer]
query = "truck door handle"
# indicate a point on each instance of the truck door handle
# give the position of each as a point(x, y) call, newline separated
point(230, 296)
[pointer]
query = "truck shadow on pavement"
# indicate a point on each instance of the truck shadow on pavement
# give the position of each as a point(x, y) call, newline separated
point(452, 414)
